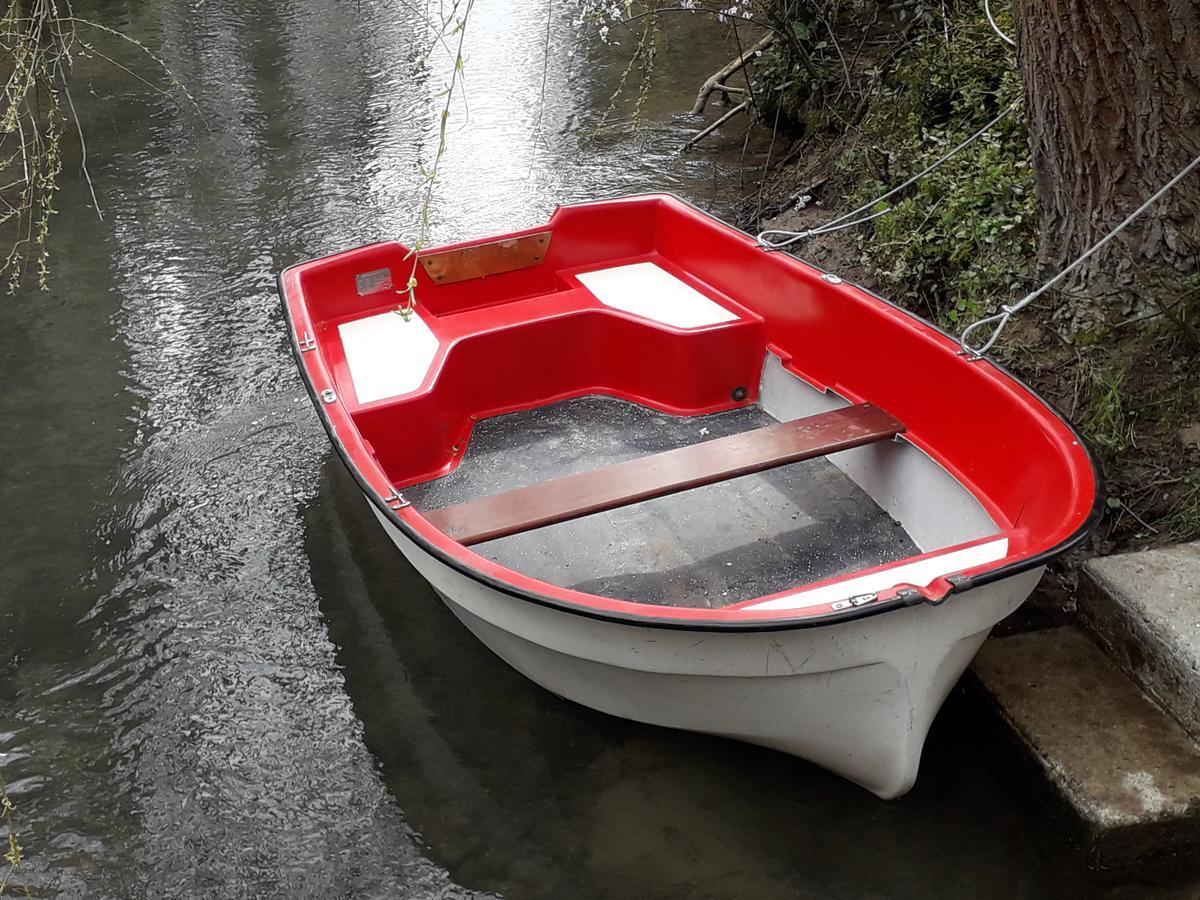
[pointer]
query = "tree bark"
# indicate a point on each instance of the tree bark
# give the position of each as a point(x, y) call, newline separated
point(1112, 91)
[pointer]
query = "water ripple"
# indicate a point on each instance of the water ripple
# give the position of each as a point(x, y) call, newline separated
point(180, 720)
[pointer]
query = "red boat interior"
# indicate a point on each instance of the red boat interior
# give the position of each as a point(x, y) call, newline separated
point(601, 380)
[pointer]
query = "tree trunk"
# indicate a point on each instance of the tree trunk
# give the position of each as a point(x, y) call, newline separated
point(1112, 91)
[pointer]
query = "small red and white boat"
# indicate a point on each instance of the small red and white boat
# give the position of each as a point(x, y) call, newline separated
point(676, 477)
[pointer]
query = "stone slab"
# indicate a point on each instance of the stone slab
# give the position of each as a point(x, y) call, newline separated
point(1128, 774)
point(1145, 609)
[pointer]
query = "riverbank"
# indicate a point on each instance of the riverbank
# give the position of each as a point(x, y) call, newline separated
point(1124, 367)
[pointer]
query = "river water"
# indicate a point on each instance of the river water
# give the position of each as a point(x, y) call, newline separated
point(217, 678)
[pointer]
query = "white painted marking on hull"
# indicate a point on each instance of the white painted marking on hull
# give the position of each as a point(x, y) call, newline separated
point(386, 355)
point(649, 291)
point(919, 572)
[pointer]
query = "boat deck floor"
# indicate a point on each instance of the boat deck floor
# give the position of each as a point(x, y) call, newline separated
point(707, 547)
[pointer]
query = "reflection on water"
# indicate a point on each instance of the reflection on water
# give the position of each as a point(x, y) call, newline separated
point(216, 678)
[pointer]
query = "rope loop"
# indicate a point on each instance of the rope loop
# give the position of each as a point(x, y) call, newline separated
point(1000, 319)
point(790, 237)
point(987, 8)
point(1007, 312)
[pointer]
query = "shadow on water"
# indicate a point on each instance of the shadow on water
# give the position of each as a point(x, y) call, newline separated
point(517, 791)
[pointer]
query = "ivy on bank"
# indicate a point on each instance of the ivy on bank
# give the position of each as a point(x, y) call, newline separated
point(915, 81)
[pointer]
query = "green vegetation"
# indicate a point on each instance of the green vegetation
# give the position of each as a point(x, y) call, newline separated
point(13, 853)
point(877, 93)
point(36, 45)
point(39, 43)
point(1141, 412)
point(957, 243)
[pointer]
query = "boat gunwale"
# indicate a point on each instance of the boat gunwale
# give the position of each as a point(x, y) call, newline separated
point(800, 617)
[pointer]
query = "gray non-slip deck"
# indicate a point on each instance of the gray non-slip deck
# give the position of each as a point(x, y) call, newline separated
point(706, 547)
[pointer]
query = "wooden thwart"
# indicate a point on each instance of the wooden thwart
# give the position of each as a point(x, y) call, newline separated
point(622, 484)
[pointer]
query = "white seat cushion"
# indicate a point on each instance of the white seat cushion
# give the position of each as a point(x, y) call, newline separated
point(651, 292)
point(386, 355)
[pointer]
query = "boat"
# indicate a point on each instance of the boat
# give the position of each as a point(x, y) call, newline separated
point(674, 476)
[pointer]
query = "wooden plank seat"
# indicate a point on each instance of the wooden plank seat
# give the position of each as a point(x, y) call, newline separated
point(622, 484)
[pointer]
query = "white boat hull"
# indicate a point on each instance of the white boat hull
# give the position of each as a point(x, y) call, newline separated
point(856, 698)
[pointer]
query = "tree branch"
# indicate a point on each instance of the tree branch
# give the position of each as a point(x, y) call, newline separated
point(714, 81)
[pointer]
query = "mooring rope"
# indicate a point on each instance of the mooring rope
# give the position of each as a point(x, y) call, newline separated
point(792, 237)
point(1002, 318)
point(987, 9)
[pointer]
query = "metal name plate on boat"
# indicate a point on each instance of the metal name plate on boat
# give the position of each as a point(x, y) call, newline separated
point(508, 255)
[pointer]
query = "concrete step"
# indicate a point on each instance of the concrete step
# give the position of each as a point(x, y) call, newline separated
point(1144, 608)
point(1128, 774)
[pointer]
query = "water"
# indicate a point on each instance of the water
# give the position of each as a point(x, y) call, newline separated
point(216, 676)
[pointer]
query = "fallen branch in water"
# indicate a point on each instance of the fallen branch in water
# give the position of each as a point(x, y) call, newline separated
point(715, 82)
point(744, 105)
